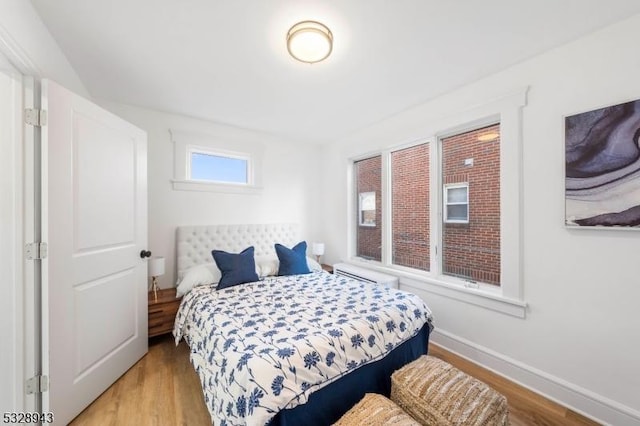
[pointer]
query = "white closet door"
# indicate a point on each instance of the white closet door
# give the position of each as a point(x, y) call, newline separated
point(95, 224)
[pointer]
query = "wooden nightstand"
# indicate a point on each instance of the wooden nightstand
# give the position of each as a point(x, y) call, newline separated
point(162, 313)
point(328, 268)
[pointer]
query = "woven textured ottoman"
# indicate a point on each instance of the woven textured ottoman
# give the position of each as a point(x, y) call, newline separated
point(437, 394)
point(376, 410)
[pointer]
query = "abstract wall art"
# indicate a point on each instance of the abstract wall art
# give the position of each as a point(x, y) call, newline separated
point(602, 168)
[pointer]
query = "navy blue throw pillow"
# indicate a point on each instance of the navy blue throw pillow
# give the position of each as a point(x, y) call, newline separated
point(236, 268)
point(293, 261)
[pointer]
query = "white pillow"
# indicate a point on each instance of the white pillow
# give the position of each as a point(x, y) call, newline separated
point(267, 266)
point(198, 275)
point(313, 265)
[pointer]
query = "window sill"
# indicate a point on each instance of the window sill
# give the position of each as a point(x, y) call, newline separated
point(484, 297)
point(190, 185)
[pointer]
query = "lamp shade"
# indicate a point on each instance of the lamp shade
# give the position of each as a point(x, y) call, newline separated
point(318, 249)
point(156, 266)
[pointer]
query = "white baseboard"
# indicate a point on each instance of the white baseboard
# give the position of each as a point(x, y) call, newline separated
point(580, 400)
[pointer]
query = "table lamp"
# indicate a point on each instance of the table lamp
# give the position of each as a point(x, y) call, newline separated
point(156, 269)
point(318, 250)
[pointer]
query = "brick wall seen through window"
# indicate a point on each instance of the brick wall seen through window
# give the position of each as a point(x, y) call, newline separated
point(368, 177)
point(472, 250)
point(410, 207)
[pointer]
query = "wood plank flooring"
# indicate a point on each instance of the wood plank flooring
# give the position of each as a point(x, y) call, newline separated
point(160, 389)
point(163, 389)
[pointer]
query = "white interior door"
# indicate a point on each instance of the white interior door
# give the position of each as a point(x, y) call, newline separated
point(94, 202)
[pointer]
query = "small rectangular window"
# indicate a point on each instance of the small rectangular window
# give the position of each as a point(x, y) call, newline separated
point(367, 202)
point(222, 168)
point(456, 198)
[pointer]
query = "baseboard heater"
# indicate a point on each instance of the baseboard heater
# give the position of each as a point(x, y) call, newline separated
point(363, 274)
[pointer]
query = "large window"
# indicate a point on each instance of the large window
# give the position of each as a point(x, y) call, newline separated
point(465, 241)
point(410, 207)
point(368, 175)
point(449, 212)
point(471, 211)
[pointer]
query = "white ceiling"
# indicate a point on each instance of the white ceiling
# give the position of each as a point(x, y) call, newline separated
point(226, 61)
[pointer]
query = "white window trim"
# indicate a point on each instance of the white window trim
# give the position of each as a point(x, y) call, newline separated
point(186, 142)
point(484, 295)
point(509, 297)
point(360, 210)
point(445, 199)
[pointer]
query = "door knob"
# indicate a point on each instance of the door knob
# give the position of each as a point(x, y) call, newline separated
point(145, 253)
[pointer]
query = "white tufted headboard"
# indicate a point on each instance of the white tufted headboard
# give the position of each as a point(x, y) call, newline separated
point(194, 243)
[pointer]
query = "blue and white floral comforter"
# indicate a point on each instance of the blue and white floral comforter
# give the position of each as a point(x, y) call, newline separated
point(265, 346)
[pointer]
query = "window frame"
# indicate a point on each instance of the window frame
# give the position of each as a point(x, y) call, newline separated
point(361, 210)
point(389, 173)
point(445, 199)
point(186, 142)
point(191, 149)
point(508, 297)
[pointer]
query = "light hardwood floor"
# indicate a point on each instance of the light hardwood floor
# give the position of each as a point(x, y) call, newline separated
point(163, 389)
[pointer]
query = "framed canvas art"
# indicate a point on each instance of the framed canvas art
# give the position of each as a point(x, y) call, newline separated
point(602, 168)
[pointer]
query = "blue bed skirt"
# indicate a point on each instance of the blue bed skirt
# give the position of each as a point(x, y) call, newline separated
point(327, 405)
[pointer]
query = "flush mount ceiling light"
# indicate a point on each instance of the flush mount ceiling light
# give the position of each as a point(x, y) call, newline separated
point(309, 41)
point(488, 137)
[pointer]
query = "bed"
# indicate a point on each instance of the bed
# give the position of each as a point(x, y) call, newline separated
point(291, 350)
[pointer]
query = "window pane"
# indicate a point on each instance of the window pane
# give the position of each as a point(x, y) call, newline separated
point(456, 195)
point(368, 208)
point(410, 206)
point(457, 212)
point(368, 176)
point(368, 218)
point(218, 168)
point(472, 250)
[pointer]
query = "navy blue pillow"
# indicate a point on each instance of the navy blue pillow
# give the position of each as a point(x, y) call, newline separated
point(236, 268)
point(293, 261)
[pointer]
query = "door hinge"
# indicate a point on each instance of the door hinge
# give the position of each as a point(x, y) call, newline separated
point(34, 251)
point(35, 117)
point(37, 384)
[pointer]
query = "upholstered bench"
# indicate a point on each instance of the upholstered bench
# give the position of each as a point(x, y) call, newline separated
point(376, 410)
point(437, 394)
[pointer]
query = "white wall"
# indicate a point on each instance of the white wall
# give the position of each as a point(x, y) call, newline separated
point(26, 42)
point(290, 180)
point(580, 341)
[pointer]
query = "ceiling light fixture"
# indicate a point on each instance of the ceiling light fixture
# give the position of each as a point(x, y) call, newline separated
point(309, 41)
point(488, 137)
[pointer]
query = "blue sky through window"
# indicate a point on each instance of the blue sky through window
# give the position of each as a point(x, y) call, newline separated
point(218, 168)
